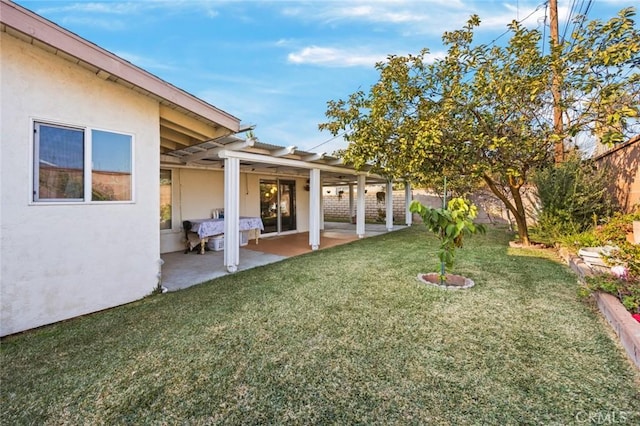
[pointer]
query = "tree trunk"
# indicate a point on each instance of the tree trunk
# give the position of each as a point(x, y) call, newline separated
point(521, 221)
point(521, 217)
point(517, 210)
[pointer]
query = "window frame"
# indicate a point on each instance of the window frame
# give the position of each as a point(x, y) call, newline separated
point(34, 198)
point(171, 227)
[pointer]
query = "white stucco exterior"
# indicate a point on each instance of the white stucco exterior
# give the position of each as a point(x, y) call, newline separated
point(197, 191)
point(60, 260)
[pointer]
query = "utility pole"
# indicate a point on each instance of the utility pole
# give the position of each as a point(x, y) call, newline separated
point(556, 83)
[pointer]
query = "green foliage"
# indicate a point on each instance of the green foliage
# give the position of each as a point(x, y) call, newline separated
point(573, 195)
point(165, 212)
point(614, 233)
point(601, 95)
point(626, 290)
point(481, 113)
point(450, 225)
point(577, 241)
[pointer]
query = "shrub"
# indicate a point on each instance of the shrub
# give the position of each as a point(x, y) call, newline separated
point(614, 232)
point(572, 197)
point(627, 290)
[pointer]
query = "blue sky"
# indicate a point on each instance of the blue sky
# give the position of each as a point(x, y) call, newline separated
point(276, 64)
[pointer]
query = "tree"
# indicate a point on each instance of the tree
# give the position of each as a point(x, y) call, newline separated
point(480, 114)
point(451, 224)
point(599, 66)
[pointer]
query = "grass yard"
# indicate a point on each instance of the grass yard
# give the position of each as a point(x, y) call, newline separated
point(341, 336)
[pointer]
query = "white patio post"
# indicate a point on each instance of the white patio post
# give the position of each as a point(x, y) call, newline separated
point(389, 200)
point(314, 208)
point(321, 203)
point(231, 213)
point(360, 207)
point(350, 201)
point(407, 201)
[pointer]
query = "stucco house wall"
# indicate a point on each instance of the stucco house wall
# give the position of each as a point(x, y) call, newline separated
point(61, 259)
point(196, 192)
point(64, 259)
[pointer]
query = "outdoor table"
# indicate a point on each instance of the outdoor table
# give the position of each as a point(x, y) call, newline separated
point(206, 228)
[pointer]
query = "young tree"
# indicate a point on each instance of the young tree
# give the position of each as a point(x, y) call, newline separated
point(480, 114)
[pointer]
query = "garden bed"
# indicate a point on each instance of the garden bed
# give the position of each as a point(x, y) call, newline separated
point(624, 325)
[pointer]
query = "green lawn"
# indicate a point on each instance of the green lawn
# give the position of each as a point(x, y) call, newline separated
point(341, 336)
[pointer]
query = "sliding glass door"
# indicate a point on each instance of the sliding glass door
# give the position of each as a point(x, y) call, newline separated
point(287, 205)
point(278, 205)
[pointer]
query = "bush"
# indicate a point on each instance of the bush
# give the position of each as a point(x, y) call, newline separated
point(614, 232)
point(627, 290)
point(572, 196)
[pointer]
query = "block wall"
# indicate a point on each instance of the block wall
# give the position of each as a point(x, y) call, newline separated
point(337, 206)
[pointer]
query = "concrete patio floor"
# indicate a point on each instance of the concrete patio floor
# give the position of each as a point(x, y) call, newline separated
point(182, 270)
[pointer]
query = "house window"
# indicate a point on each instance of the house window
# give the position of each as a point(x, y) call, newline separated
point(63, 154)
point(110, 166)
point(59, 168)
point(165, 199)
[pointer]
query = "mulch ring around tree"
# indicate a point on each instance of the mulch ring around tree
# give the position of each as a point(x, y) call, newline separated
point(451, 281)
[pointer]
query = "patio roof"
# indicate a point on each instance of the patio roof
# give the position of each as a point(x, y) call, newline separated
point(192, 131)
point(260, 157)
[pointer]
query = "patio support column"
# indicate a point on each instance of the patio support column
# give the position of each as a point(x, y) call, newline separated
point(389, 200)
point(350, 202)
point(360, 215)
point(321, 203)
point(407, 201)
point(315, 191)
point(231, 213)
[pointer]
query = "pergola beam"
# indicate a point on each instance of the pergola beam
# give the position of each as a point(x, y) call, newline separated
point(314, 157)
point(283, 151)
point(247, 143)
point(289, 162)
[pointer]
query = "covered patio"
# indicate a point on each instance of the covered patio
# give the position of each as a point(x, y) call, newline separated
point(239, 168)
point(181, 270)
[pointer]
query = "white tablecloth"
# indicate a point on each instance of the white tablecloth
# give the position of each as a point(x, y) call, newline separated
point(210, 227)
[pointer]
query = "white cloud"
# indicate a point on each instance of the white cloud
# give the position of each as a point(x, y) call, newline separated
point(106, 8)
point(93, 22)
point(430, 17)
point(334, 57)
point(409, 16)
point(100, 13)
point(330, 56)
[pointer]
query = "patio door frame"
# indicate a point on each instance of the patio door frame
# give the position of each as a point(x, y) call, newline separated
point(291, 205)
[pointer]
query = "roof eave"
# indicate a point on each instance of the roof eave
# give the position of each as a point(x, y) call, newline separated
point(45, 31)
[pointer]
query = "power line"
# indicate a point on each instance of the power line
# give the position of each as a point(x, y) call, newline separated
point(520, 22)
point(581, 23)
point(544, 4)
point(327, 141)
point(569, 19)
point(544, 28)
